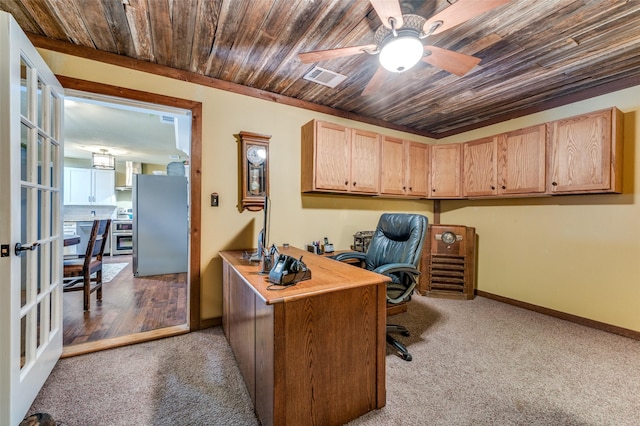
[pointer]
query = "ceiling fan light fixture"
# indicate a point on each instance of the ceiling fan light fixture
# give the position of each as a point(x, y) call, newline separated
point(401, 53)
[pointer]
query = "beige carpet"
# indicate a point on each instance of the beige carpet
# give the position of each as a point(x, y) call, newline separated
point(476, 362)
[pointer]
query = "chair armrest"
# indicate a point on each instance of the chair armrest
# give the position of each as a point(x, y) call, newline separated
point(392, 268)
point(350, 255)
point(397, 292)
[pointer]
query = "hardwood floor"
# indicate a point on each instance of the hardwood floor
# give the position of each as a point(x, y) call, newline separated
point(129, 306)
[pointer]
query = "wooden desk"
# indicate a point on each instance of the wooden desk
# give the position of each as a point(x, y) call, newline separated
point(313, 353)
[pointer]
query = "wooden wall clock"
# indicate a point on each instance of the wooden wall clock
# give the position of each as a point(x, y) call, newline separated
point(254, 170)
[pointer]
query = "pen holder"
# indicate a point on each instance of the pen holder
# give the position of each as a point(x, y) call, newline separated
point(312, 248)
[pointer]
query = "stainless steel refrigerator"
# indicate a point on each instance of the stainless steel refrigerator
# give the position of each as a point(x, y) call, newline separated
point(160, 225)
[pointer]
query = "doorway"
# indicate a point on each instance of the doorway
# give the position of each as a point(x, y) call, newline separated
point(178, 309)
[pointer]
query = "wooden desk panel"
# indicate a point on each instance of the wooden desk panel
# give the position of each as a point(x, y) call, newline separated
point(318, 347)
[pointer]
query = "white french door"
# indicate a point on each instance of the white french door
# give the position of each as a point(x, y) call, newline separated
point(31, 155)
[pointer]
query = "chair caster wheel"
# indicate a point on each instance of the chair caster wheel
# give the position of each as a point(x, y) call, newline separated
point(406, 333)
point(407, 357)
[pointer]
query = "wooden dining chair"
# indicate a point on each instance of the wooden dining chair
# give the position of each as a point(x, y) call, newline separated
point(77, 272)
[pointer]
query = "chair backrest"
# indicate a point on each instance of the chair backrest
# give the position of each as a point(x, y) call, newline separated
point(97, 240)
point(398, 238)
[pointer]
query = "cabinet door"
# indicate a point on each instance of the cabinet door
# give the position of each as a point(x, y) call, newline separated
point(332, 157)
point(104, 187)
point(480, 173)
point(418, 169)
point(77, 186)
point(392, 171)
point(365, 161)
point(446, 170)
point(522, 161)
point(581, 153)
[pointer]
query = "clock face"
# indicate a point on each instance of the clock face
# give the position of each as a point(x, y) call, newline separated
point(448, 237)
point(256, 154)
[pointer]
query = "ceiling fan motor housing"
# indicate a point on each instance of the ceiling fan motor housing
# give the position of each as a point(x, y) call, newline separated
point(412, 27)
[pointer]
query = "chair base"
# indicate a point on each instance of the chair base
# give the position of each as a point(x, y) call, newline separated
point(402, 349)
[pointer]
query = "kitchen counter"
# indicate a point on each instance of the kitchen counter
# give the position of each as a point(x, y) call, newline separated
point(74, 213)
point(86, 218)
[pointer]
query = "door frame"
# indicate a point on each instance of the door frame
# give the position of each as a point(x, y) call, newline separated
point(195, 211)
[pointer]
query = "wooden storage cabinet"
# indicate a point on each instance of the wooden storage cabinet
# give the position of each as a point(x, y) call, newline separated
point(404, 168)
point(586, 153)
point(446, 169)
point(364, 162)
point(480, 172)
point(522, 161)
point(508, 164)
point(577, 155)
point(325, 157)
point(394, 164)
point(339, 159)
point(418, 172)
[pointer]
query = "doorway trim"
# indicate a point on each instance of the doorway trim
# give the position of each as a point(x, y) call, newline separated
point(195, 181)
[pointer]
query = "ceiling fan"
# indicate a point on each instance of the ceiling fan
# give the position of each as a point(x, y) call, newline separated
point(398, 41)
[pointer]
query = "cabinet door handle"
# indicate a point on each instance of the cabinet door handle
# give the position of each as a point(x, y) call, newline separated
point(493, 187)
point(354, 184)
point(346, 182)
point(504, 187)
point(554, 183)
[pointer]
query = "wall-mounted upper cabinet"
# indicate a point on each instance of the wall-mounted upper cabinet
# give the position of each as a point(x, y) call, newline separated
point(479, 167)
point(404, 168)
point(508, 164)
point(577, 155)
point(365, 162)
point(446, 170)
point(339, 159)
point(89, 186)
point(522, 161)
point(418, 169)
point(586, 153)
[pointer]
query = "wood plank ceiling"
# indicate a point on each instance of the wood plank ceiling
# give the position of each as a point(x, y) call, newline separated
point(534, 53)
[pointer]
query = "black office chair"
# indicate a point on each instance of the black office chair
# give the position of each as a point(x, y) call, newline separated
point(395, 250)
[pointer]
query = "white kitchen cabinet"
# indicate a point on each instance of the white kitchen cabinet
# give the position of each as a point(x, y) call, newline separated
point(89, 186)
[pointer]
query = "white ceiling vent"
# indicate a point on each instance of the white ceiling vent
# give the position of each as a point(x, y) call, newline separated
point(324, 77)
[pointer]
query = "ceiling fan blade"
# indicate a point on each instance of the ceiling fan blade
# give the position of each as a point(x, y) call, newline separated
point(448, 60)
point(321, 55)
point(460, 12)
point(388, 9)
point(376, 82)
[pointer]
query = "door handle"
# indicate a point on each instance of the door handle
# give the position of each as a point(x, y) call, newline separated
point(20, 248)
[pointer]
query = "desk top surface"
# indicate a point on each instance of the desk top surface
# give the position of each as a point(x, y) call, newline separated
point(327, 275)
